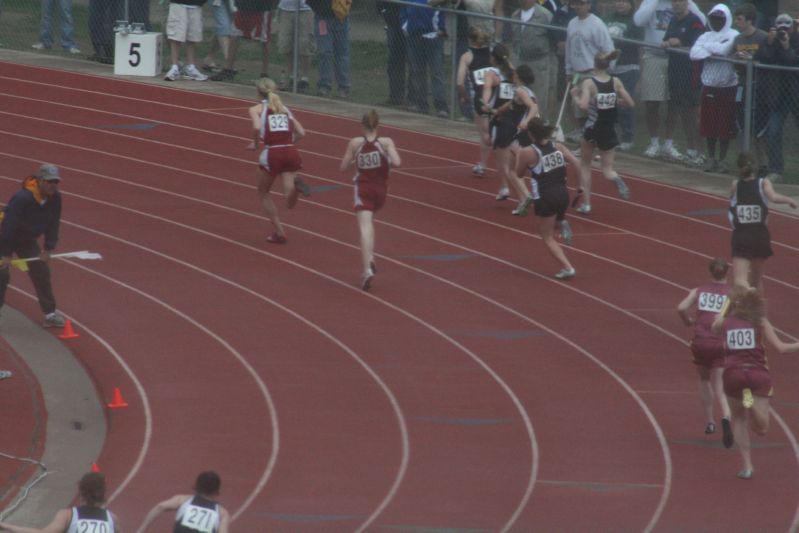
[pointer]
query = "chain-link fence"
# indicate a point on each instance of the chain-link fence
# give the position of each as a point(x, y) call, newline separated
point(406, 54)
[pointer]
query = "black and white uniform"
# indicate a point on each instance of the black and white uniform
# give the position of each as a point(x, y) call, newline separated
point(748, 214)
point(87, 519)
point(600, 128)
point(478, 68)
point(197, 514)
point(501, 128)
point(519, 112)
point(548, 186)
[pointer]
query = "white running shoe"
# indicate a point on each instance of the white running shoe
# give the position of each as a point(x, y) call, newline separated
point(39, 46)
point(670, 153)
point(523, 207)
point(566, 273)
point(366, 280)
point(584, 209)
point(653, 150)
point(74, 50)
point(479, 170)
point(190, 72)
point(625, 147)
point(624, 190)
point(173, 74)
point(503, 194)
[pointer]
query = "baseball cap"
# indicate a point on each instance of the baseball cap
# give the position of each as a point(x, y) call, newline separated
point(784, 21)
point(48, 172)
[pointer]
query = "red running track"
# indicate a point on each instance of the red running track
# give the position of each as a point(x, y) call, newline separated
point(469, 391)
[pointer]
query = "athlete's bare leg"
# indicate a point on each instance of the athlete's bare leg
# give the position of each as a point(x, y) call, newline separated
point(367, 228)
point(265, 182)
point(546, 228)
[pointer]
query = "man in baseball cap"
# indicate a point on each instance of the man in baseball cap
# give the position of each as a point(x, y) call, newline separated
point(33, 212)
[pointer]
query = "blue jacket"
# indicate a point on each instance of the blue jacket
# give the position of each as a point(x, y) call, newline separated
point(25, 219)
point(421, 20)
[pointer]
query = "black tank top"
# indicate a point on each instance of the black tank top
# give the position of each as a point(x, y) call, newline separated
point(602, 108)
point(748, 207)
point(551, 167)
point(481, 62)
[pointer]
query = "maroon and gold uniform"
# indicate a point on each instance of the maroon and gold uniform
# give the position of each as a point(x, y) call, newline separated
point(277, 132)
point(706, 346)
point(746, 363)
point(371, 182)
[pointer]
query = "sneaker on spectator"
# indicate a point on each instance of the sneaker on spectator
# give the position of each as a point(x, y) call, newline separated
point(40, 46)
point(695, 161)
point(442, 113)
point(625, 147)
point(321, 91)
point(670, 153)
point(711, 165)
point(653, 150)
point(74, 50)
point(190, 72)
point(303, 85)
point(173, 73)
point(53, 320)
point(224, 75)
point(774, 177)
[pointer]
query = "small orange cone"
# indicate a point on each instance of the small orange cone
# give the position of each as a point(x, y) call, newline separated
point(68, 332)
point(117, 402)
point(95, 468)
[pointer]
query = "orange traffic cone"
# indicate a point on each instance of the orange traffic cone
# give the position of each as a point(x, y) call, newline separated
point(117, 402)
point(68, 332)
point(95, 468)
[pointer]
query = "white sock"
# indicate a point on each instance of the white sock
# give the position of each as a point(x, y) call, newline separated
point(668, 143)
point(654, 140)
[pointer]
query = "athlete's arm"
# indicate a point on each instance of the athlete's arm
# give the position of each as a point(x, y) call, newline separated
point(224, 520)
point(582, 94)
point(568, 155)
point(299, 131)
point(618, 86)
point(527, 157)
point(172, 504)
point(532, 107)
point(391, 150)
point(463, 67)
point(255, 116)
point(775, 197)
point(59, 524)
point(491, 81)
point(349, 154)
point(685, 306)
point(771, 337)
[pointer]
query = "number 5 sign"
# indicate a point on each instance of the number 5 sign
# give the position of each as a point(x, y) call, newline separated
point(138, 54)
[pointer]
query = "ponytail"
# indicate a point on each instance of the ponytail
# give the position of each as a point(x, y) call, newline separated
point(267, 90)
point(500, 54)
point(370, 120)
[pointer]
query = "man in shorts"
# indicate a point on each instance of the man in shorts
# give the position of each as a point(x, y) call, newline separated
point(184, 25)
point(654, 16)
point(291, 12)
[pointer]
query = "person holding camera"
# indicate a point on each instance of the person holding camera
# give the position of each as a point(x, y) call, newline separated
point(782, 48)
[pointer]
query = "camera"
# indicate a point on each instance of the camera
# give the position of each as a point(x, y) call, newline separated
point(781, 34)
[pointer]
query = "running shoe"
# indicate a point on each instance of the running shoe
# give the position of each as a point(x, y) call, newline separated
point(276, 238)
point(566, 273)
point(40, 46)
point(746, 473)
point(190, 72)
point(74, 50)
point(503, 194)
point(624, 190)
point(523, 207)
point(566, 232)
point(696, 160)
point(302, 187)
point(173, 73)
point(670, 153)
point(711, 165)
point(479, 170)
point(653, 150)
point(224, 75)
point(5, 374)
point(625, 147)
point(726, 433)
point(366, 281)
point(584, 209)
point(53, 320)
point(373, 266)
point(710, 428)
point(748, 400)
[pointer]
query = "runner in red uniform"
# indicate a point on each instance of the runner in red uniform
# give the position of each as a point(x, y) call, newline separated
point(747, 382)
point(372, 157)
point(698, 309)
point(275, 126)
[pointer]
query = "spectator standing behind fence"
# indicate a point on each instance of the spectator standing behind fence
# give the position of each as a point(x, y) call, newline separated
point(627, 70)
point(397, 60)
point(103, 14)
point(287, 11)
point(425, 31)
point(586, 36)
point(683, 83)
point(531, 46)
point(332, 31)
point(223, 28)
point(654, 16)
point(747, 45)
point(782, 48)
point(67, 26)
point(719, 85)
point(184, 29)
point(251, 21)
